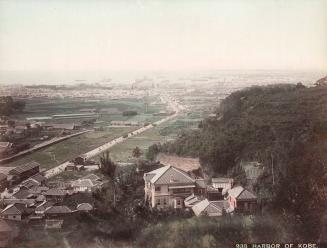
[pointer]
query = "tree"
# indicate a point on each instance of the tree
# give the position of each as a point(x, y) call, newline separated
point(153, 151)
point(108, 168)
point(137, 152)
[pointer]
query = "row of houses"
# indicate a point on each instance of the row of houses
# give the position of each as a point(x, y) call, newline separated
point(34, 199)
point(172, 187)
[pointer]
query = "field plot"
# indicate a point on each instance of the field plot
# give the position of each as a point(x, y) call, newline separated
point(69, 149)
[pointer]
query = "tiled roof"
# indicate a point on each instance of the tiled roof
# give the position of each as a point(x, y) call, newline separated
point(210, 208)
point(222, 180)
point(39, 177)
point(44, 205)
point(234, 192)
point(171, 175)
point(241, 194)
point(191, 200)
point(82, 183)
point(23, 168)
point(221, 204)
point(92, 177)
point(58, 210)
point(246, 195)
point(148, 177)
point(183, 163)
point(29, 183)
point(55, 192)
point(16, 208)
point(21, 194)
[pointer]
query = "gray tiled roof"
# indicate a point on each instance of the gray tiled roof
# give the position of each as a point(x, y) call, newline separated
point(241, 194)
point(21, 194)
point(82, 183)
point(58, 210)
point(23, 168)
point(246, 195)
point(55, 192)
point(211, 208)
point(92, 177)
point(39, 177)
point(16, 208)
point(172, 175)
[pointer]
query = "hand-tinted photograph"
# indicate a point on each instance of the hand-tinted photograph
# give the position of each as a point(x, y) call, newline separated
point(163, 124)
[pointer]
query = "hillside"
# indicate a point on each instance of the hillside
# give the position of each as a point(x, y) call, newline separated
point(284, 127)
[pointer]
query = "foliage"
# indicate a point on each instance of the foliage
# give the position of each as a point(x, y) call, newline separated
point(8, 106)
point(137, 152)
point(283, 127)
point(153, 151)
point(107, 166)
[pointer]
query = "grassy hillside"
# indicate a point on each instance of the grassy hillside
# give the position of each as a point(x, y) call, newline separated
point(284, 127)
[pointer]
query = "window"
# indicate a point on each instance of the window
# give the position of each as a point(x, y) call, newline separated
point(164, 201)
point(157, 189)
point(178, 202)
point(158, 202)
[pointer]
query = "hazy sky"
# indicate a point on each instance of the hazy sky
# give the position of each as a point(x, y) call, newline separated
point(90, 35)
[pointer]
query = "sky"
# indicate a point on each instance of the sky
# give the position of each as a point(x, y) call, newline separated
point(83, 35)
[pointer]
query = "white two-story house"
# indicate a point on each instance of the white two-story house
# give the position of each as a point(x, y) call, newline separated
point(168, 186)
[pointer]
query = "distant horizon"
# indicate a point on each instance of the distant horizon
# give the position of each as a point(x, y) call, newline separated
point(129, 76)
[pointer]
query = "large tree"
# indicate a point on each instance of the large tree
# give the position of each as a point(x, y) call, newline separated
point(108, 168)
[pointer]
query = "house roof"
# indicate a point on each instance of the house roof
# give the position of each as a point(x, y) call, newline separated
point(23, 168)
point(44, 205)
point(241, 194)
point(170, 175)
point(183, 163)
point(191, 200)
point(39, 177)
point(16, 208)
point(29, 183)
point(84, 207)
point(22, 194)
point(246, 195)
point(58, 210)
point(55, 192)
point(148, 177)
point(4, 227)
point(222, 180)
point(27, 202)
point(83, 183)
point(208, 208)
point(92, 177)
point(38, 189)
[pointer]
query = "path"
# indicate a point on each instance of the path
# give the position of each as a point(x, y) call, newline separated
point(172, 103)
